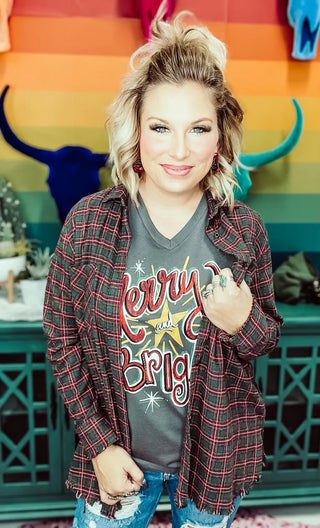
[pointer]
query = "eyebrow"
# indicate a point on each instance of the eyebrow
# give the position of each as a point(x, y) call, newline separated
point(152, 118)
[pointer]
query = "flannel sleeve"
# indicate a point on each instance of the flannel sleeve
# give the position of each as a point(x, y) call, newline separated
point(66, 355)
point(260, 333)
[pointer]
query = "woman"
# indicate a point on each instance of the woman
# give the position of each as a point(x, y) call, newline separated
point(159, 297)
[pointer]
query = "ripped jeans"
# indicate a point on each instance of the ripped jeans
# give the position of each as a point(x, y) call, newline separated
point(138, 510)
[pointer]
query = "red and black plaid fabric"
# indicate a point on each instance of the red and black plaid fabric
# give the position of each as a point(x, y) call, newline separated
point(223, 448)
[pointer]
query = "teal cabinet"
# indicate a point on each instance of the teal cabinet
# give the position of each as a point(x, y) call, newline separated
point(290, 382)
point(37, 439)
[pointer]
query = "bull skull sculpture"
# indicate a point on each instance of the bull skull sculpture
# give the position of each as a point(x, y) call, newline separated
point(74, 170)
point(304, 17)
point(253, 161)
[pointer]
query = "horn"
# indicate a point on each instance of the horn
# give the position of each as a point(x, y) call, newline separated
point(262, 158)
point(44, 156)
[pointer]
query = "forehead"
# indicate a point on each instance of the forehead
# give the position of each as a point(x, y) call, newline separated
point(169, 101)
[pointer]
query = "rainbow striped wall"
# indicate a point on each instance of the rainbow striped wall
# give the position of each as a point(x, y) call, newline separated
point(65, 66)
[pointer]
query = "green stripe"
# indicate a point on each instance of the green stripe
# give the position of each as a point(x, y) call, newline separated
point(284, 238)
point(25, 174)
point(38, 207)
point(46, 233)
point(286, 208)
point(282, 177)
point(293, 238)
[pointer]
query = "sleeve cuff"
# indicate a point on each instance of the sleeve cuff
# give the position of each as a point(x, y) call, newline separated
point(96, 435)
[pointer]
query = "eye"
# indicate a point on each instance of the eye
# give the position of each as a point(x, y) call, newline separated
point(161, 129)
point(201, 129)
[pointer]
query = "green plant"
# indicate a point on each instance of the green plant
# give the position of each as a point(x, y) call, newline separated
point(40, 260)
point(12, 227)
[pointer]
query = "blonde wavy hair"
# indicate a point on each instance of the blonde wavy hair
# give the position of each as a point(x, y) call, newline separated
point(176, 53)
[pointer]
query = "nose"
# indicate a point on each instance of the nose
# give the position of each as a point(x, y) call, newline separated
point(179, 148)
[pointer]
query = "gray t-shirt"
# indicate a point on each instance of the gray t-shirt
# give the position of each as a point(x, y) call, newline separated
point(161, 318)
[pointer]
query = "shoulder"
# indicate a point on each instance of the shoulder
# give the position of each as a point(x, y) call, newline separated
point(97, 204)
point(244, 216)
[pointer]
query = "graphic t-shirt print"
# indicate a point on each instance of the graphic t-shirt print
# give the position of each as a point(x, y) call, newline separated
point(161, 315)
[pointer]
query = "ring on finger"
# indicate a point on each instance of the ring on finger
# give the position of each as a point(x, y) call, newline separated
point(207, 292)
point(115, 497)
point(224, 279)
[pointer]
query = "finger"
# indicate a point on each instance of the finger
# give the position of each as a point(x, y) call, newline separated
point(105, 497)
point(244, 287)
point(136, 476)
point(226, 279)
point(226, 272)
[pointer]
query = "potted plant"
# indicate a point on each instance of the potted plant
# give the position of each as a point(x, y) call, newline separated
point(33, 288)
point(13, 244)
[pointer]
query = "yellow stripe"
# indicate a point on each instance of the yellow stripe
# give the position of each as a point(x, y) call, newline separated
point(51, 108)
point(306, 151)
point(278, 113)
point(53, 138)
point(89, 109)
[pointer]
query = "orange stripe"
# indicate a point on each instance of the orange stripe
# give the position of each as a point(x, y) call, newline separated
point(259, 42)
point(103, 74)
point(82, 73)
point(121, 36)
point(81, 36)
point(268, 78)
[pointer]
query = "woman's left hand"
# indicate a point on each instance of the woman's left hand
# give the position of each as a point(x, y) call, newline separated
point(227, 305)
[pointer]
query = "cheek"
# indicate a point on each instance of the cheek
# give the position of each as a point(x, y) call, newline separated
point(149, 143)
point(207, 151)
point(207, 147)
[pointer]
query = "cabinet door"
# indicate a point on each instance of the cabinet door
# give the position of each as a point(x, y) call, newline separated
point(290, 382)
point(30, 433)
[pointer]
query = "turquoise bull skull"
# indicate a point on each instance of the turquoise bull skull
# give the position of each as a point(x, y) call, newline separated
point(253, 161)
point(304, 17)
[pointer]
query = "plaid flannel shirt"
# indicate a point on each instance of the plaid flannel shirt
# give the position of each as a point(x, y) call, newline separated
point(223, 446)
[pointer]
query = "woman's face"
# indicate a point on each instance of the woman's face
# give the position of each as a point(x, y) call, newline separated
point(178, 137)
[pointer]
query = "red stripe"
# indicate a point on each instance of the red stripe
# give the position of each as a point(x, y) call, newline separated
point(245, 11)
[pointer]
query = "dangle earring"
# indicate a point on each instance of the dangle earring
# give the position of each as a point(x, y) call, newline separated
point(215, 164)
point(137, 167)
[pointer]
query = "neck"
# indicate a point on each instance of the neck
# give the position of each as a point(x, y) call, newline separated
point(170, 201)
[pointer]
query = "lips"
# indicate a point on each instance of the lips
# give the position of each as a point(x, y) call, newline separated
point(177, 170)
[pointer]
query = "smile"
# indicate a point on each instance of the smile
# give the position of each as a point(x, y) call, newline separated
point(177, 170)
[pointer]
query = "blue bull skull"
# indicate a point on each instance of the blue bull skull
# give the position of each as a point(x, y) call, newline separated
point(74, 170)
point(304, 17)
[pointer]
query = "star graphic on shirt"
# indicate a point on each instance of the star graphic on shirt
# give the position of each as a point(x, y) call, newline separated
point(138, 268)
point(167, 325)
point(152, 400)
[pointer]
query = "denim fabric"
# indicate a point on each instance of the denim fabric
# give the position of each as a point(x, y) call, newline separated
point(137, 511)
